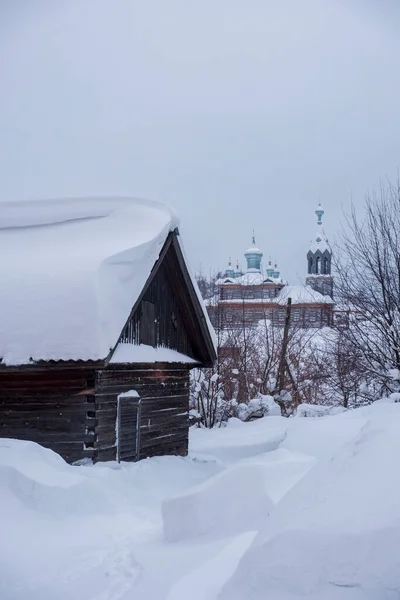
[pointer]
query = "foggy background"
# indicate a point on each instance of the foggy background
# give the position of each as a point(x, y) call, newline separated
point(240, 114)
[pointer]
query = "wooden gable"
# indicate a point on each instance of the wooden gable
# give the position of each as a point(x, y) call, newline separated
point(168, 312)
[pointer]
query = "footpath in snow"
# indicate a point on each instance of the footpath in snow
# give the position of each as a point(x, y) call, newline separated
point(278, 508)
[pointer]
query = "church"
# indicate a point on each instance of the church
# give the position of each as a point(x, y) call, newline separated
point(258, 293)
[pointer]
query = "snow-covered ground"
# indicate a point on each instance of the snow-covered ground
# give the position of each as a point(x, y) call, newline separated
point(277, 508)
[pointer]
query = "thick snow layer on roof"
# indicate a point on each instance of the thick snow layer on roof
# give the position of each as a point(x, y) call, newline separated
point(71, 271)
point(302, 294)
point(253, 250)
point(248, 279)
point(133, 353)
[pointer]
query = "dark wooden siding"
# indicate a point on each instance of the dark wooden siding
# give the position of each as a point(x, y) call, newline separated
point(164, 394)
point(158, 320)
point(53, 407)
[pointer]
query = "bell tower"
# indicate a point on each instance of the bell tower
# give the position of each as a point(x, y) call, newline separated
point(319, 260)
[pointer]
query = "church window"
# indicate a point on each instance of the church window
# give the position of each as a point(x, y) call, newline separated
point(296, 314)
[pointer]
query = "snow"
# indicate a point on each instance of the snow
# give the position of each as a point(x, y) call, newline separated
point(232, 502)
point(132, 353)
point(317, 410)
point(74, 269)
point(249, 278)
point(129, 394)
point(230, 444)
point(264, 404)
point(302, 294)
point(336, 535)
point(276, 508)
point(71, 272)
point(320, 242)
point(253, 250)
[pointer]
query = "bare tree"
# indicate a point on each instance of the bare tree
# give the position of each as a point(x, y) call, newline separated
point(368, 283)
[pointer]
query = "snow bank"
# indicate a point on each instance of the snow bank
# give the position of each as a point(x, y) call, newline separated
point(68, 531)
point(42, 481)
point(336, 534)
point(320, 438)
point(234, 442)
point(317, 410)
point(232, 502)
point(205, 581)
point(236, 500)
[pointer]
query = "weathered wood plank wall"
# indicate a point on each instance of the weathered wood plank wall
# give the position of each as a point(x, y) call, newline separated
point(164, 397)
point(158, 320)
point(52, 407)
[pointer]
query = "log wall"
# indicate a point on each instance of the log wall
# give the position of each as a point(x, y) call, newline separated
point(164, 394)
point(74, 411)
point(53, 407)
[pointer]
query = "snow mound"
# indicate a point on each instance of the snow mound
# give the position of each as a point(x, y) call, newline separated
point(39, 480)
point(67, 529)
point(231, 502)
point(236, 500)
point(317, 410)
point(229, 443)
point(335, 535)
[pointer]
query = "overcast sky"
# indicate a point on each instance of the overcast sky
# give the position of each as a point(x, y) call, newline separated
point(240, 114)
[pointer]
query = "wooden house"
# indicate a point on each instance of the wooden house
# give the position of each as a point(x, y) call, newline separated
point(100, 324)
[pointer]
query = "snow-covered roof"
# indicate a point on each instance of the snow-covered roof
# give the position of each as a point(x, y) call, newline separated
point(253, 250)
point(248, 278)
point(133, 353)
point(302, 294)
point(71, 271)
point(320, 242)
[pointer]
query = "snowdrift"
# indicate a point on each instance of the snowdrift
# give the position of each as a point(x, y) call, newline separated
point(68, 531)
point(317, 410)
point(236, 500)
point(303, 508)
point(231, 442)
point(231, 502)
point(336, 534)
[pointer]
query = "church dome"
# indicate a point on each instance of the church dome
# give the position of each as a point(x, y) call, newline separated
point(229, 272)
point(253, 256)
point(253, 250)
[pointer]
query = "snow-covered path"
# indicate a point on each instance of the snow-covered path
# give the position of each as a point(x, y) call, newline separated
point(173, 528)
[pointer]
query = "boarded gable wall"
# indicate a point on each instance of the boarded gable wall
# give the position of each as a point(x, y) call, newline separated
point(158, 320)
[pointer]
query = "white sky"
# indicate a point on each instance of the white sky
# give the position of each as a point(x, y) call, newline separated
point(238, 113)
